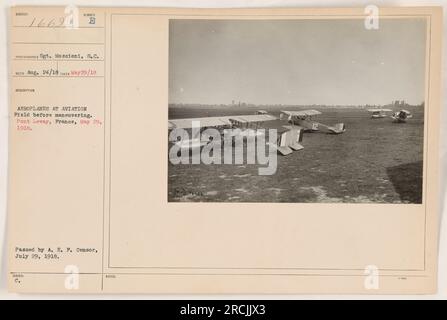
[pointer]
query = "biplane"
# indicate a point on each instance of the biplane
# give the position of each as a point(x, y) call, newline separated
point(289, 137)
point(401, 116)
point(304, 119)
point(378, 113)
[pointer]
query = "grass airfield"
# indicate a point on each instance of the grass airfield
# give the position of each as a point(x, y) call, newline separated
point(374, 161)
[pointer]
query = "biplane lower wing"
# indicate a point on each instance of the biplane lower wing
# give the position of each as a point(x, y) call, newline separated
point(284, 150)
point(401, 116)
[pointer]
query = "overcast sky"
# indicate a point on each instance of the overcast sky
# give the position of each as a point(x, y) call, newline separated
point(296, 61)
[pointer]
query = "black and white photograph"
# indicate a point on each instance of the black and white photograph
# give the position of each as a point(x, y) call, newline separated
point(296, 111)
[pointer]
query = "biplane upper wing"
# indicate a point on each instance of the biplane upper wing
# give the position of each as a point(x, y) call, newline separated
point(379, 110)
point(217, 121)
